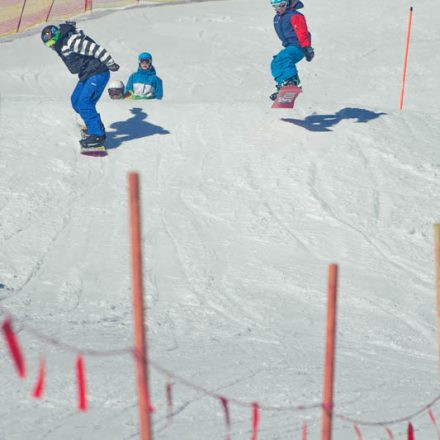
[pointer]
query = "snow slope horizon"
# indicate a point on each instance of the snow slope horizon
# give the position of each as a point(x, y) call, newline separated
point(243, 209)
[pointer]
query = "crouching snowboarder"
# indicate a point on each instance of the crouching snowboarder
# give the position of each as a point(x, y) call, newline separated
point(291, 27)
point(92, 63)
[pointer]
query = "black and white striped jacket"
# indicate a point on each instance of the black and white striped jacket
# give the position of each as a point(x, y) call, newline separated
point(80, 53)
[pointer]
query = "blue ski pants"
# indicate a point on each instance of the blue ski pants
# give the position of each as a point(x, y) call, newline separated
point(84, 99)
point(283, 64)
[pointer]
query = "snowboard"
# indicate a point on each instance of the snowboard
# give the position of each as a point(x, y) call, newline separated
point(286, 97)
point(98, 151)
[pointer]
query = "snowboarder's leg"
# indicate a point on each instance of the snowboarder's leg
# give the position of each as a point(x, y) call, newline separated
point(76, 95)
point(86, 104)
point(283, 66)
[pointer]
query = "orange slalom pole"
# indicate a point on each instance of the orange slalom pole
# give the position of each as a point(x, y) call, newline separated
point(138, 310)
point(437, 282)
point(329, 371)
point(405, 62)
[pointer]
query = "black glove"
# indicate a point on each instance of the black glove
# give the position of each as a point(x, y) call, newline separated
point(309, 53)
point(114, 67)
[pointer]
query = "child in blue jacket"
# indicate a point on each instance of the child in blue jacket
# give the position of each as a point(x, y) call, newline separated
point(144, 84)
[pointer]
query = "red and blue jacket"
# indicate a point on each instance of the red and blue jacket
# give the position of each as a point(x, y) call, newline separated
point(291, 28)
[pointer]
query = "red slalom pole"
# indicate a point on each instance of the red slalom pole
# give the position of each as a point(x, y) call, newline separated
point(14, 347)
point(410, 431)
point(39, 386)
point(329, 373)
point(405, 62)
point(141, 358)
point(81, 383)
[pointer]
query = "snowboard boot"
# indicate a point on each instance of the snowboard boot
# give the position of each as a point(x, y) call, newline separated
point(294, 81)
point(84, 132)
point(92, 141)
point(275, 94)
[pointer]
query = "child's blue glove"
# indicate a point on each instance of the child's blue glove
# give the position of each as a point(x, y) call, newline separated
point(309, 53)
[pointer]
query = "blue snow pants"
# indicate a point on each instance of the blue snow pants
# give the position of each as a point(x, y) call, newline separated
point(84, 99)
point(283, 64)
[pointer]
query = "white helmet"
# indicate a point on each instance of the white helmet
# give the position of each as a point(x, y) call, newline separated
point(116, 85)
point(116, 89)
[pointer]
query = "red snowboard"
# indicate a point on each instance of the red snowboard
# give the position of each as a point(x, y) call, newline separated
point(286, 97)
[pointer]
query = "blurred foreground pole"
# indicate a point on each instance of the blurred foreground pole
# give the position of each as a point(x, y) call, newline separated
point(405, 62)
point(138, 310)
point(329, 373)
point(437, 281)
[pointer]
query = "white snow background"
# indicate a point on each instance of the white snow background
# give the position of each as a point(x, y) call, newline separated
point(243, 208)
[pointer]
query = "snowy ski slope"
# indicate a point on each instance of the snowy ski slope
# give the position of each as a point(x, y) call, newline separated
point(243, 209)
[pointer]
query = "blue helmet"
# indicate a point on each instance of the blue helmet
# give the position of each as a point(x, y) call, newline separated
point(145, 56)
point(277, 2)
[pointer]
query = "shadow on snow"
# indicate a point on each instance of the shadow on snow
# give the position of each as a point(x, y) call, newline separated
point(135, 127)
point(325, 122)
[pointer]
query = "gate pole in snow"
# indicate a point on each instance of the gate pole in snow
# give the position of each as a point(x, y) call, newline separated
point(21, 16)
point(329, 375)
point(405, 62)
point(138, 310)
point(50, 10)
point(437, 283)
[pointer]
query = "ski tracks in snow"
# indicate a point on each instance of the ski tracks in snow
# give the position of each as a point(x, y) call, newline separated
point(37, 219)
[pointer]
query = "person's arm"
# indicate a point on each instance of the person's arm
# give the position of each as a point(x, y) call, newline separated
point(83, 45)
point(158, 89)
point(299, 25)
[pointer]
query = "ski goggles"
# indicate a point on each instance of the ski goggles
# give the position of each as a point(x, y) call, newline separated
point(50, 40)
point(145, 60)
point(280, 6)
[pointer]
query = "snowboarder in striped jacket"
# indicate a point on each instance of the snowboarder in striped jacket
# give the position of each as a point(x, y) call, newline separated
point(92, 63)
